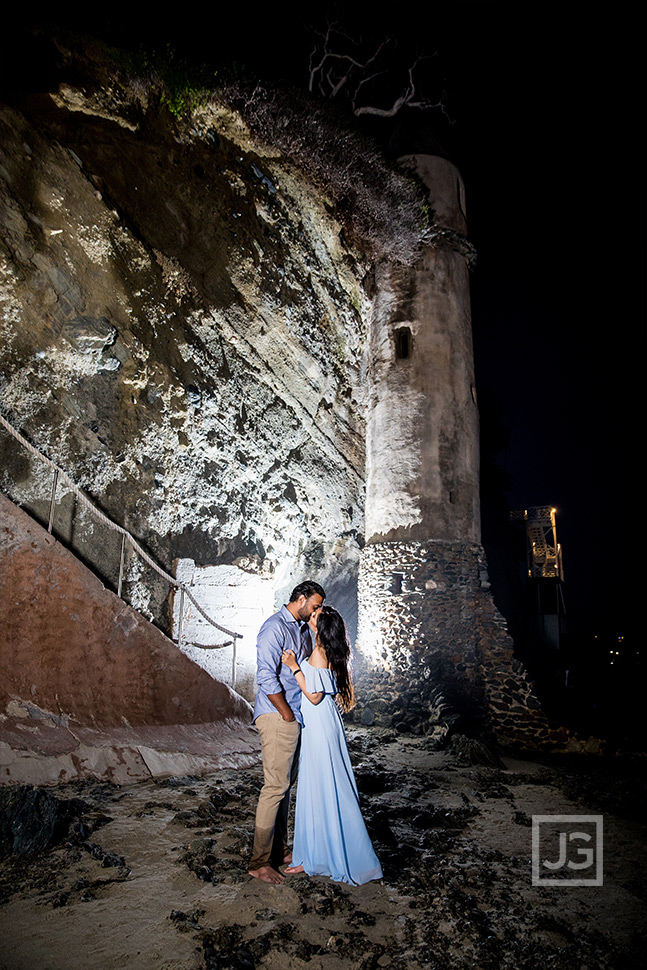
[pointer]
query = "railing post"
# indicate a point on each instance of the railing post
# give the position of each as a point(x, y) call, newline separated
point(233, 667)
point(51, 504)
point(179, 627)
point(124, 536)
point(121, 563)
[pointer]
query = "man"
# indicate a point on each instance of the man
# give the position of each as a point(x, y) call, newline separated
point(277, 716)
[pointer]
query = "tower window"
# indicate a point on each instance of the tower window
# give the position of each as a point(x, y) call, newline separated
point(396, 583)
point(403, 342)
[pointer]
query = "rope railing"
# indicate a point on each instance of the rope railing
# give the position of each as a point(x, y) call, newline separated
point(60, 475)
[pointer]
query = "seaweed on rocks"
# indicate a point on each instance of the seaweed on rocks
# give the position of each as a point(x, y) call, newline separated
point(33, 820)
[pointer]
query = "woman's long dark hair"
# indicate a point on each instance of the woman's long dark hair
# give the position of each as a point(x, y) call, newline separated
point(332, 636)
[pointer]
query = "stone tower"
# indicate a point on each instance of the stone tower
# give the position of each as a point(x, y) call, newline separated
point(417, 643)
point(433, 651)
point(422, 435)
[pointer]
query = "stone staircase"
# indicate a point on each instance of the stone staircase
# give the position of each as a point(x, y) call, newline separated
point(89, 687)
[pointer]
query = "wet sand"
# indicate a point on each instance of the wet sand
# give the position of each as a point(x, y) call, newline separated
point(156, 877)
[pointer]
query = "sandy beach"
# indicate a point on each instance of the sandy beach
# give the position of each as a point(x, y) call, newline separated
point(153, 876)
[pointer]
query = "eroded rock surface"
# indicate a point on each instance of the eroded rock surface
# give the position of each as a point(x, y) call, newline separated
point(182, 331)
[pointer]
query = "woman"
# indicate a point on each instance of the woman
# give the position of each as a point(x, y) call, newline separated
point(330, 837)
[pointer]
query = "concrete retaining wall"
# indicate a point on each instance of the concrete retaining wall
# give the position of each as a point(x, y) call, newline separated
point(89, 685)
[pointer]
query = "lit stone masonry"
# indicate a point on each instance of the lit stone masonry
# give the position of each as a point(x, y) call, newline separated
point(433, 651)
point(417, 660)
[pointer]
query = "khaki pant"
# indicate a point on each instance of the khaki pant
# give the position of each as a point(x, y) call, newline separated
point(279, 749)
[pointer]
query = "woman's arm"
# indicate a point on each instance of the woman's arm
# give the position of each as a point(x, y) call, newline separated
point(316, 697)
point(289, 659)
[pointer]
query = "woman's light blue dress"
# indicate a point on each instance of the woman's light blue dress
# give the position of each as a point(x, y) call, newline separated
point(330, 837)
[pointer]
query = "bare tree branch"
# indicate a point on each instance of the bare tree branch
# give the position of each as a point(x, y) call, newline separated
point(334, 68)
point(400, 102)
point(323, 69)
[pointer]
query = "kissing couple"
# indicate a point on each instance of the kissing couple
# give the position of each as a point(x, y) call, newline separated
point(303, 690)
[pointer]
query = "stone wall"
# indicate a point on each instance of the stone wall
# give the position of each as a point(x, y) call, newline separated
point(89, 687)
point(434, 655)
point(419, 646)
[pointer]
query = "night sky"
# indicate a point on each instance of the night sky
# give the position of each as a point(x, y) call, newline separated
point(547, 113)
point(556, 208)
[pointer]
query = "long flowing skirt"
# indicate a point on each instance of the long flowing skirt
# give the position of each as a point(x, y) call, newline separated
point(330, 837)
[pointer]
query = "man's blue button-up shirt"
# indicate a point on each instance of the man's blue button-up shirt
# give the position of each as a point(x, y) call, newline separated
point(280, 632)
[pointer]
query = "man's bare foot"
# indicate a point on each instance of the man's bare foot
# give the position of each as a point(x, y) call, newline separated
point(294, 870)
point(267, 874)
point(287, 859)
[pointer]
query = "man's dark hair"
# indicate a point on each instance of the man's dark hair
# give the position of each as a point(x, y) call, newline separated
point(308, 588)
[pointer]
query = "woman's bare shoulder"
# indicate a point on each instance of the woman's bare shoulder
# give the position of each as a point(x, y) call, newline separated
point(318, 660)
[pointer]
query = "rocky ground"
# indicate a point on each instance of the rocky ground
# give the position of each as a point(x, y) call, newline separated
point(154, 875)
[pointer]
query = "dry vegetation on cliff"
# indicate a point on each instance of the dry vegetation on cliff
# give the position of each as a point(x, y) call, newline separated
point(318, 138)
point(383, 208)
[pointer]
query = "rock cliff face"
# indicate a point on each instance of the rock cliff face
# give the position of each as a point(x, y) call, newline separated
point(186, 331)
point(183, 332)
